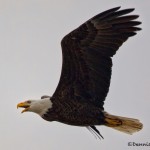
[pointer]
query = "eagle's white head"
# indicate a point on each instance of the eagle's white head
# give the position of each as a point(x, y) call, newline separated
point(39, 107)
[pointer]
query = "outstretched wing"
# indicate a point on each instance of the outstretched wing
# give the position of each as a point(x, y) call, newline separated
point(87, 52)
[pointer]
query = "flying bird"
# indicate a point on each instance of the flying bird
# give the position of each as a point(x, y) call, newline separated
point(86, 73)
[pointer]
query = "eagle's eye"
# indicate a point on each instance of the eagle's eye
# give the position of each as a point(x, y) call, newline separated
point(29, 101)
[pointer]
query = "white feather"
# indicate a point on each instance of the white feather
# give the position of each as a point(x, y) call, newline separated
point(40, 106)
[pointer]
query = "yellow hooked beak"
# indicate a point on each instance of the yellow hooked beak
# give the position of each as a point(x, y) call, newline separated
point(25, 105)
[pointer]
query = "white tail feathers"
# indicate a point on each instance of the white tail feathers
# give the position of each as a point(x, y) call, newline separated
point(123, 124)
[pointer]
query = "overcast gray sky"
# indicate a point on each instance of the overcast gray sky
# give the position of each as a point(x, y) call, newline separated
point(30, 66)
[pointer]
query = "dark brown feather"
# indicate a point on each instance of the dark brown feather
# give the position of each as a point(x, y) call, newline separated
point(87, 52)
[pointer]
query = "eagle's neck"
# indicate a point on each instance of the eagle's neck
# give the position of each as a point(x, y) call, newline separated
point(41, 106)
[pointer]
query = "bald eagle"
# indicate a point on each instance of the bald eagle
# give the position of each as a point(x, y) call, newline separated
point(86, 72)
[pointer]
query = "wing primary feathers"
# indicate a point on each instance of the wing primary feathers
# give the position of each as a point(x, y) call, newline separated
point(123, 19)
point(105, 13)
point(119, 13)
